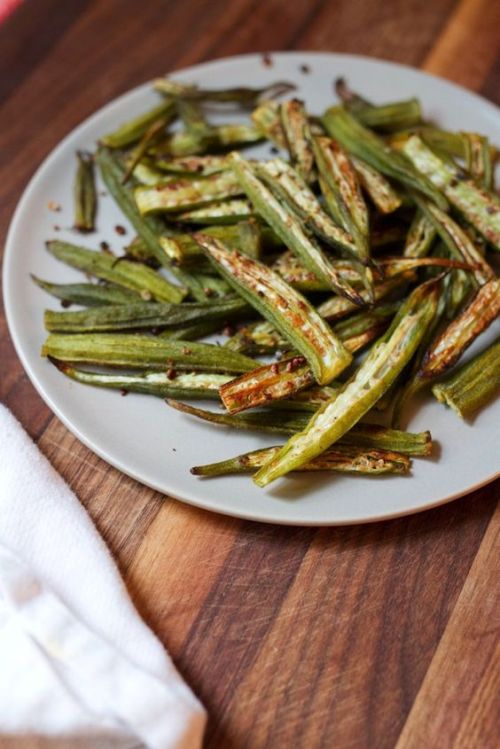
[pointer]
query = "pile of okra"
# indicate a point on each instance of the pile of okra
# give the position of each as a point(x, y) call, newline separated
point(356, 262)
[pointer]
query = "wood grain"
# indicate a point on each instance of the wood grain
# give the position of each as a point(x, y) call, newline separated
point(355, 637)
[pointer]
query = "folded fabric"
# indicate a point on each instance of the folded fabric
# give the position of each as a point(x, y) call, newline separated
point(78, 667)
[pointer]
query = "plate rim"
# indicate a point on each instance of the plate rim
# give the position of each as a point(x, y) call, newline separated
point(102, 451)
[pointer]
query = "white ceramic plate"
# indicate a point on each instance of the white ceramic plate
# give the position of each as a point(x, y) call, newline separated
point(142, 437)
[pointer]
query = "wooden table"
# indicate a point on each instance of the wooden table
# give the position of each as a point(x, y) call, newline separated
point(369, 636)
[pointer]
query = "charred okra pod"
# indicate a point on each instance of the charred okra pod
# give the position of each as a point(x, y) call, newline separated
point(366, 145)
point(199, 385)
point(287, 226)
point(294, 317)
point(381, 192)
point(298, 138)
point(478, 206)
point(420, 237)
point(479, 314)
point(384, 363)
point(185, 194)
point(342, 459)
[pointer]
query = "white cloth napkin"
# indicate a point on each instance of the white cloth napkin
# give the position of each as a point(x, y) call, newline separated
point(78, 667)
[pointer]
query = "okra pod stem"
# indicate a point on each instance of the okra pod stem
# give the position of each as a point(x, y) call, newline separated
point(84, 193)
point(472, 386)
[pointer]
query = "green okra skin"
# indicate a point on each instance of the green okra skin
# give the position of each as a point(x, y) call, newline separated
point(149, 228)
point(289, 228)
point(460, 288)
point(193, 385)
point(478, 159)
point(337, 307)
point(410, 383)
point(472, 386)
point(478, 206)
point(298, 138)
point(291, 313)
point(144, 352)
point(421, 236)
point(185, 193)
point(457, 240)
point(194, 120)
point(193, 331)
point(384, 363)
point(445, 141)
point(88, 294)
point(143, 316)
point(289, 422)
point(132, 131)
point(121, 272)
point(84, 193)
point(267, 120)
point(478, 315)
point(241, 95)
point(393, 116)
point(289, 185)
point(342, 459)
point(366, 145)
point(219, 213)
point(381, 192)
